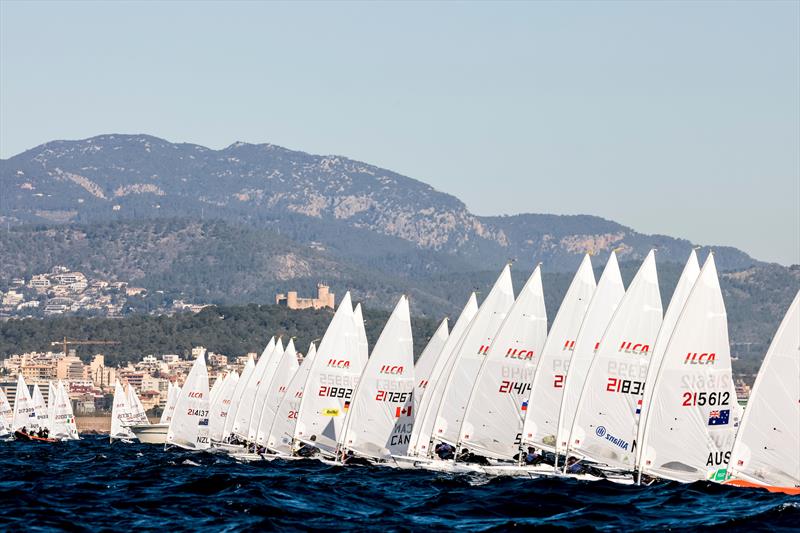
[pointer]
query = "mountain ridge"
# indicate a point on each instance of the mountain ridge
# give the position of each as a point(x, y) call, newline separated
point(114, 177)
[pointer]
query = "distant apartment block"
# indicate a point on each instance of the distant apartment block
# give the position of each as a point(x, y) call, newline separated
point(324, 298)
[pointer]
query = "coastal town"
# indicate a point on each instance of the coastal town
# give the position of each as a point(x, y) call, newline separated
point(91, 384)
point(62, 290)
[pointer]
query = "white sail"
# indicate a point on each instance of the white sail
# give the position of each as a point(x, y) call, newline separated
point(426, 361)
point(467, 359)
point(189, 426)
point(136, 411)
point(284, 371)
point(493, 422)
point(280, 438)
point(51, 406)
point(170, 399)
point(679, 297)
point(264, 388)
point(222, 403)
point(766, 447)
point(215, 388)
point(62, 423)
point(6, 415)
point(24, 413)
point(432, 396)
point(363, 345)
point(246, 406)
point(120, 416)
point(606, 298)
point(236, 399)
point(381, 413)
point(607, 416)
point(544, 398)
point(39, 407)
point(331, 382)
point(691, 422)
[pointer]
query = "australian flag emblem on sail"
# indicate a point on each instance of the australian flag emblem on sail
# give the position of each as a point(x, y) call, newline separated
point(719, 417)
point(204, 422)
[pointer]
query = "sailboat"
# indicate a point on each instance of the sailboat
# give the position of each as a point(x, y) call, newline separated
point(236, 399)
point(333, 378)
point(691, 421)
point(544, 399)
point(765, 453)
point(189, 426)
point(380, 416)
point(264, 387)
point(253, 389)
point(284, 372)
point(679, 296)
point(157, 433)
point(494, 415)
point(39, 407)
point(419, 447)
point(120, 416)
point(62, 419)
point(280, 436)
point(426, 361)
point(606, 418)
point(220, 406)
point(606, 298)
point(6, 417)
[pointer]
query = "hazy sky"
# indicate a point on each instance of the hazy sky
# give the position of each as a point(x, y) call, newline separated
point(670, 117)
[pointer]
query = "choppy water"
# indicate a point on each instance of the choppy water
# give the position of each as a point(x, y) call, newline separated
point(90, 485)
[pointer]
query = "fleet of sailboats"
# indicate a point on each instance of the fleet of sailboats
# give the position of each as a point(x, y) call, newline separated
point(615, 389)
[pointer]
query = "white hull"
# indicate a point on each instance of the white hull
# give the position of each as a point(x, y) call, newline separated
point(151, 433)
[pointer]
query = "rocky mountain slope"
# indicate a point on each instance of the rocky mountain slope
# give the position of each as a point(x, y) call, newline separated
point(321, 200)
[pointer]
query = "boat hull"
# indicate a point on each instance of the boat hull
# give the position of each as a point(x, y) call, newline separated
point(151, 433)
point(749, 484)
point(18, 435)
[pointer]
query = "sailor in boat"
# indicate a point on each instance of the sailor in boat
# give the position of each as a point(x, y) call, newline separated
point(43, 433)
point(532, 457)
point(445, 451)
point(351, 458)
point(307, 449)
point(470, 457)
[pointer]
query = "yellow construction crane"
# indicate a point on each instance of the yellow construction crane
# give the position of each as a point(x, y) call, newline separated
point(66, 342)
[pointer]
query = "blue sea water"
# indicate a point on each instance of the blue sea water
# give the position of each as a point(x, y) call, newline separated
point(93, 486)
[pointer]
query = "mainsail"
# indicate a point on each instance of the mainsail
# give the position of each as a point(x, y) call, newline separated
point(219, 409)
point(765, 451)
point(39, 407)
point(244, 410)
point(432, 396)
point(544, 399)
point(136, 411)
point(692, 420)
point(284, 371)
point(606, 297)
point(281, 433)
point(607, 415)
point(62, 421)
point(468, 357)
point(24, 413)
point(679, 297)
point(236, 399)
point(493, 422)
point(120, 415)
point(426, 361)
point(332, 381)
point(262, 391)
point(6, 415)
point(381, 414)
point(189, 426)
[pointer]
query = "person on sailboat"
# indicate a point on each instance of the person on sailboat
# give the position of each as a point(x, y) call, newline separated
point(445, 451)
point(533, 458)
point(351, 458)
point(307, 449)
